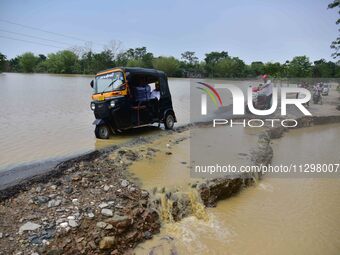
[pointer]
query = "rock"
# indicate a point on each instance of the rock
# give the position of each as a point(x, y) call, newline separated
point(46, 234)
point(147, 235)
point(104, 225)
point(133, 235)
point(143, 202)
point(71, 217)
point(90, 215)
point(55, 252)
point(53, 187)
point(106, 188)
point(101, 224)
point(68, 190)
point(108, 227)
point(107, 242)
point(72, 223)
point(75, 201)
point(218, 189)
point(124, 183)
point(107, 212)
point(38, 200)
point(119, 222)
point(168, 153)
point(54, 203)
point(76, 178)
point(80, 239)
point(103, 205)
point(144, 194)
point(64, 225)
point(132, 189)
point(29, 226)
point(1, 235)
point(92, 245)
point(38, 189)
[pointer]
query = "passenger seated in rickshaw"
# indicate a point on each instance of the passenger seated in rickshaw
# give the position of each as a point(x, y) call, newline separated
point(146, 102)
point(156, 93)
point(142, 91)
point(154, 99)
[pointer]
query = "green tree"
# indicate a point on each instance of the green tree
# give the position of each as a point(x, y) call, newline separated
point(169, 65)
point(212, 58)
point(14, 65)
point(230, 68)
point(62, 62)
point(3, 61)
point(137, 55)
point(190, 64)
point(299, 67)
point(256, 68)
point(41, 65)
point(336, 43)
point(27, 62)
point(273, 69)
point(135, 63)
point(324, 69)
point(92, 63)
point(189, 58)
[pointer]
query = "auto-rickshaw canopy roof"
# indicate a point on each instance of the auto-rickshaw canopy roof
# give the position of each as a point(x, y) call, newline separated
point(136, 71)
point(137, 75)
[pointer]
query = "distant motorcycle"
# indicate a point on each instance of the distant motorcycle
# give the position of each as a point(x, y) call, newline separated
point(325, 90)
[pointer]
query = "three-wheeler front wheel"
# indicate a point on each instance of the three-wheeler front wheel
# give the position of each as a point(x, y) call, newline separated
point(102, 131)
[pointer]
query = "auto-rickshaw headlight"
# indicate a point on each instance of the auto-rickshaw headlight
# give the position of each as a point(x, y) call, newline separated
point(112, 103)
point(93, 106)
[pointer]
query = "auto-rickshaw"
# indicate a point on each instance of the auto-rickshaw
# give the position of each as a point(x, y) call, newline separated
point(122, 99)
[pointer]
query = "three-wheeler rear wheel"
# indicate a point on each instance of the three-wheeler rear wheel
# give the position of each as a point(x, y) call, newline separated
point(102, 131)
point(169, 121)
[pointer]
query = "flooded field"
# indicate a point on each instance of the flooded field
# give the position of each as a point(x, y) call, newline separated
point(47, 116)
point(276, 216)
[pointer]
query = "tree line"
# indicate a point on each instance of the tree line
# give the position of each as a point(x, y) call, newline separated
point(214, 65)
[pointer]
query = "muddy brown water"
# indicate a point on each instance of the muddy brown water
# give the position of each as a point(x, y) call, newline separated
point(45, 116)
point(276, 216)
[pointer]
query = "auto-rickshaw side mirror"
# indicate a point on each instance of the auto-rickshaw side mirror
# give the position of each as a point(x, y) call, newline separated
point(91, 84)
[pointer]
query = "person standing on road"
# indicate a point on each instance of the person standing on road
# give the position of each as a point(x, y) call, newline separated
point(267, 89)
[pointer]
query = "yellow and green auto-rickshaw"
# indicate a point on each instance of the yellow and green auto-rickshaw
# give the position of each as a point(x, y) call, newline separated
point(122, 99)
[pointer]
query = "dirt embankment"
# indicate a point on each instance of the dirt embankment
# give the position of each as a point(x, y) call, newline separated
point(87, 205)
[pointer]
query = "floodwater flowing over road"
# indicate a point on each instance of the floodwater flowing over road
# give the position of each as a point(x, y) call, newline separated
point(275, 216)
point(46, 116)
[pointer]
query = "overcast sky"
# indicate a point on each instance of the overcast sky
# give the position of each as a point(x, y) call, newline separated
point(252, 30)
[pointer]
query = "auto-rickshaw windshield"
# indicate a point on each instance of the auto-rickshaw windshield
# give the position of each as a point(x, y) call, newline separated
point(109, 82)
